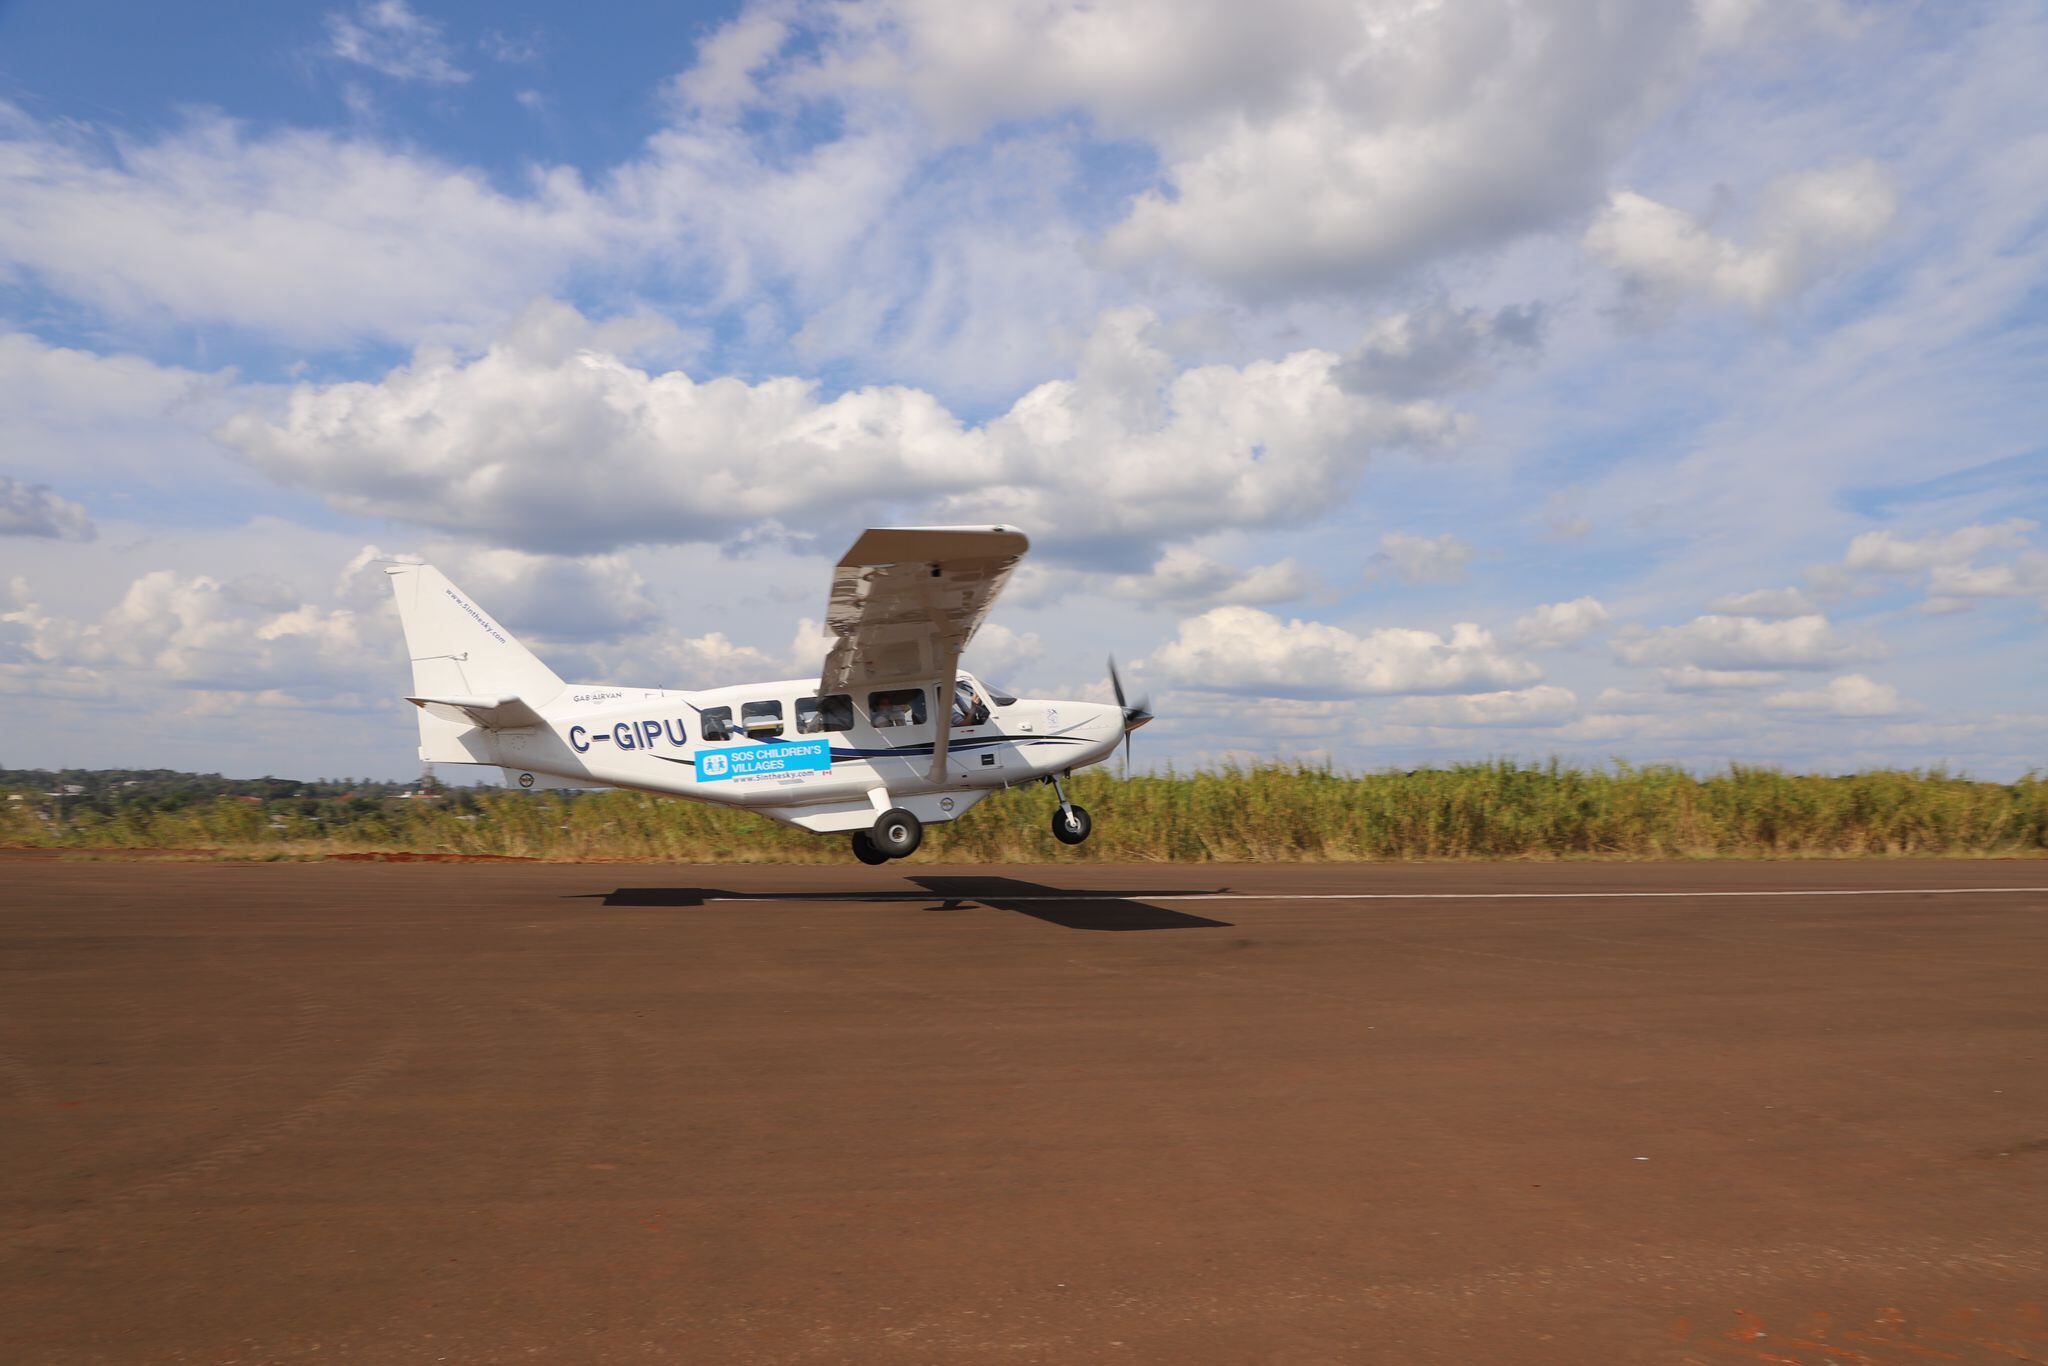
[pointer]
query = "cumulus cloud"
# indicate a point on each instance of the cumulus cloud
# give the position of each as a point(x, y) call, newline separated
point(657, 655)
point(1948, 559)
point(59, 383)
point(1764, 602)
point(33, 510)
point(1543, 705)
point(68, 414)
point(553, 597)
point(1882, 552)
point(1728, 23)
point(1634, 701)
point(1692, 678)
point(547, 443)
point(1416, 354)
point(1145, 65)
point(722, 78)
point(1848, 695)
point(308, 236)
point(1304, 144)
point(996, 652)
point(674, 660)
point(1300, 145)
point(1717, 642)
point(2026, 576)
point(1555, 625)
point(1807, 224)
point(1407, 131)
point(1659, 728)
point(1183, 575)
point(256, 638)
point(197, 631)
point(1241, 649)
point(1425, 559)
point(390, 37)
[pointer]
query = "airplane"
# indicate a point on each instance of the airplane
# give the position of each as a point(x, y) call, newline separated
point(889, 737)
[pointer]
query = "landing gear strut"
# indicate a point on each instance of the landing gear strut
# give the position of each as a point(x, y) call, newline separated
point(1070, 824)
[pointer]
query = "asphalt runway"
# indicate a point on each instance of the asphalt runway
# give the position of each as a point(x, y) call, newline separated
point(1410, 1113)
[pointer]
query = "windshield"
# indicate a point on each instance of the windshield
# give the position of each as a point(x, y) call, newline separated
point(1001, 696)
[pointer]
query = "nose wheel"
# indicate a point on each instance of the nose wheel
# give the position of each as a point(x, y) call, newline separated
point(1070, 824)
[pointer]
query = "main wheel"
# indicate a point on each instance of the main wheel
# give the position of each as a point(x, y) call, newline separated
point(864, 849)
point(897, 833)
point(1072, 825)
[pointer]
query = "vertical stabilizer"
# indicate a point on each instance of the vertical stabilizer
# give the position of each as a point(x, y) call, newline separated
point(459, 650)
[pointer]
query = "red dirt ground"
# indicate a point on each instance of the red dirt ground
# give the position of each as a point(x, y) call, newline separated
point(398, 1113)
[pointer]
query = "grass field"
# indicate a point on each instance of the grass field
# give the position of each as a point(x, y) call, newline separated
point(1276, 813)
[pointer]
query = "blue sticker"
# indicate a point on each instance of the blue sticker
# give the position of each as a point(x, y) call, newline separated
point(757, 761)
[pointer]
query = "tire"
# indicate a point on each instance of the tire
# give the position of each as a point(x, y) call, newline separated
point(864, 849)
point(1077, 831)
point(897, 833)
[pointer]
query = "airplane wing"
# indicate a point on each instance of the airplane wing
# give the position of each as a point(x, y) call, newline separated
point(905, 602)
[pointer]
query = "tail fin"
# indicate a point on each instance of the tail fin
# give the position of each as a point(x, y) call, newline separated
point(459, 651)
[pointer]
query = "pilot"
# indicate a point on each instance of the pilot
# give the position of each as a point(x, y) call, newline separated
point(968, 709)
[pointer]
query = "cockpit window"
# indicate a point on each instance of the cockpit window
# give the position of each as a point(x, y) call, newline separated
point(968, 708)
point(1002, 697)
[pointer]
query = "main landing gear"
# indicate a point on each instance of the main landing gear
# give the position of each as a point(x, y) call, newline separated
point(1070, 824)
point(896, 834)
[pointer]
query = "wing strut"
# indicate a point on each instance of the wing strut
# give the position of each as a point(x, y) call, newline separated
point(942, 734)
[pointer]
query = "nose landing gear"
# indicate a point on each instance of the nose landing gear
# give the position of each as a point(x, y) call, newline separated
point(1070, 824)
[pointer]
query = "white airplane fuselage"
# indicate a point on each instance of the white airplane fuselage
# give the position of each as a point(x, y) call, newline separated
point(791, 767)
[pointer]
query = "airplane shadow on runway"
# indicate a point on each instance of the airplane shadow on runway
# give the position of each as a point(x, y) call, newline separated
point(1073, 910)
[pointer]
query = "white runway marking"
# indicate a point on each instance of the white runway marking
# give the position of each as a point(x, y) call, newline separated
point(1110, 893)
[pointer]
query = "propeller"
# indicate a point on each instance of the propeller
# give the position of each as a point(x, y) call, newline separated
point(1134, 717)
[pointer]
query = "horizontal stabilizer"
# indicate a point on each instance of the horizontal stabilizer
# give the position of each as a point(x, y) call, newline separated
point(492, 713)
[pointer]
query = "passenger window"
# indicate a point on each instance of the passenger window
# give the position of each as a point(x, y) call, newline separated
point(718, 723)
point(822, 715)
point(897, 707)
point(761, 720)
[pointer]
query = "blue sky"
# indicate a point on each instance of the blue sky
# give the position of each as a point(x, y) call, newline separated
point(1387, 384)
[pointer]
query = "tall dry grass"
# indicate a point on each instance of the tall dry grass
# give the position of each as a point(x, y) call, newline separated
point(1277, 813)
